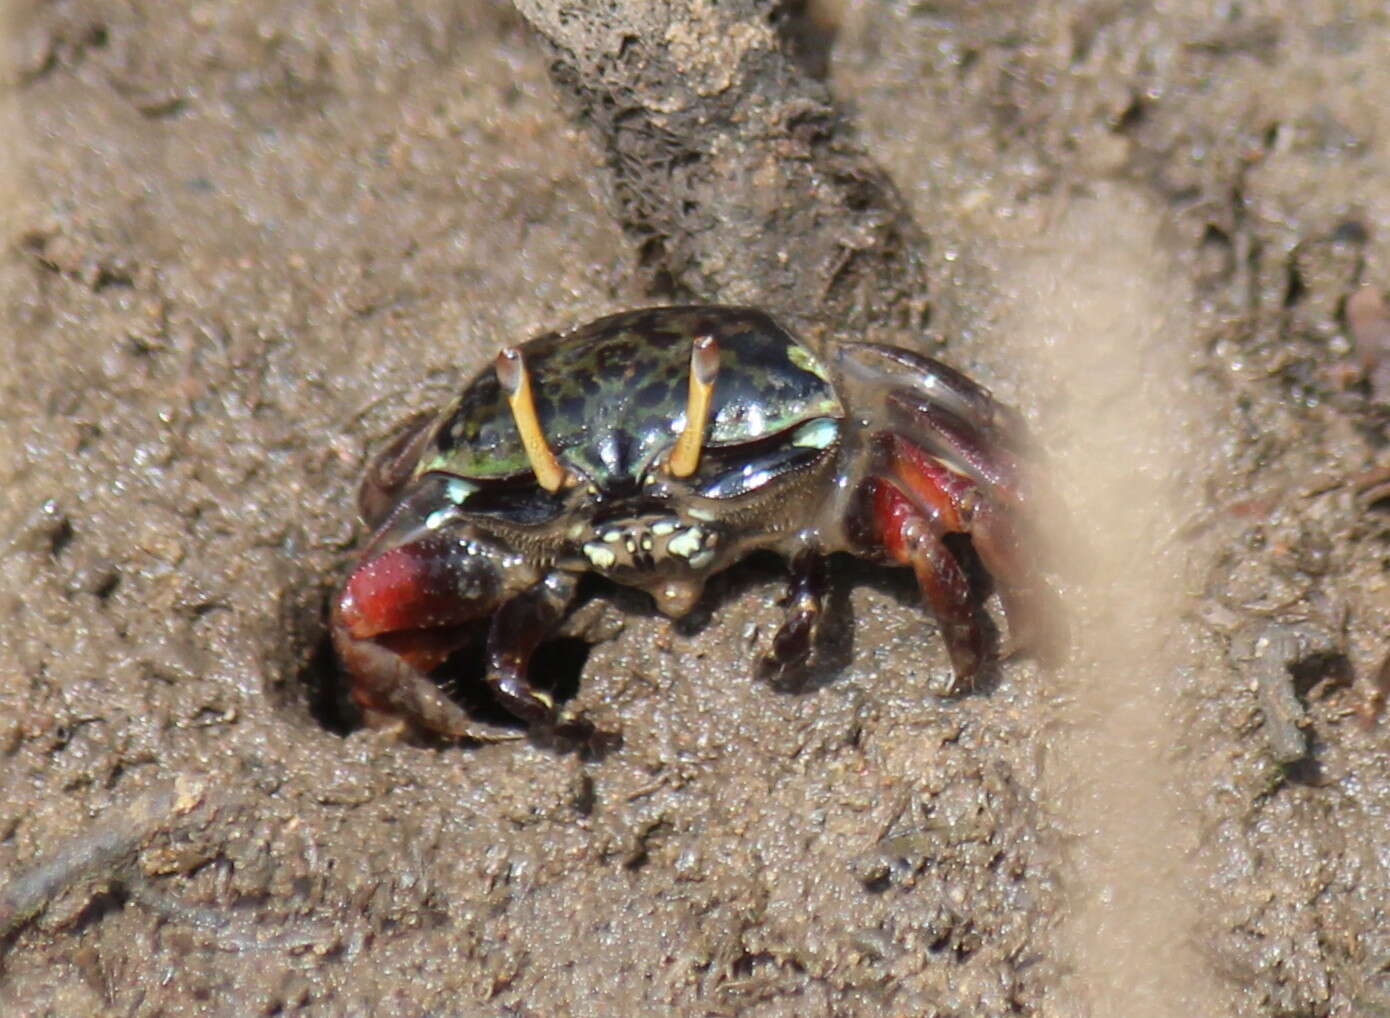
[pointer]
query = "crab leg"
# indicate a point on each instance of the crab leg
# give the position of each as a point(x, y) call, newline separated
point(797, 635)
point(955, 504)
point(518, 628)
point(912, 537)
point(875, 367)
point(947, 434)
point(381, 487)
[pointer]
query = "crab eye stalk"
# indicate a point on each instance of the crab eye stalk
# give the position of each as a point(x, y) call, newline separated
point(516, 383)
point(704, 366)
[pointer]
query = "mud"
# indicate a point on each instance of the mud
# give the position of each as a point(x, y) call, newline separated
point(241, 240)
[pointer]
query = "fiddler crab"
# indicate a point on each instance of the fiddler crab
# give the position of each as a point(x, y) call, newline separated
point(657, 447)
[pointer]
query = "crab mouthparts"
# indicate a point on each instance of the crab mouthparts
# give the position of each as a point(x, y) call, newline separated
point(649, 544)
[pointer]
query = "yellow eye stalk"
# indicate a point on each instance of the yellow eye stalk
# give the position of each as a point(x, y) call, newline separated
point(704, 366)
point(516, 383)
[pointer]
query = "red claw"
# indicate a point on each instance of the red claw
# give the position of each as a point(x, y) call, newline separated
point(399, 616)
point(411, 586)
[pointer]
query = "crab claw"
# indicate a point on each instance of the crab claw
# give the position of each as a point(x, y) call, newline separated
point(409, 604)
point(398, 617)
point(425, 584)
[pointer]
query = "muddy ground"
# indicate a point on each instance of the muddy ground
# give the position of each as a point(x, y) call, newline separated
point(240, 240)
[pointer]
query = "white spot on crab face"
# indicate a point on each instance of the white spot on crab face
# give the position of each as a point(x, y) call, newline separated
point(687, 543)
point(701, 559)
point(700, 514)
point(600, 555)
point(663, 527)
point(456, 491)
point(819, 434)
point(438, 518)
point(612, 536)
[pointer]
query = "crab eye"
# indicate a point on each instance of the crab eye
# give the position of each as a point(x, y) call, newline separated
point(738, 470)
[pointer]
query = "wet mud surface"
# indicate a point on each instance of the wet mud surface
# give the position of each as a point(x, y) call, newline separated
point(241, 241)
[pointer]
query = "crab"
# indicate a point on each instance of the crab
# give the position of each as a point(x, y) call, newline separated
point(657, 447)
